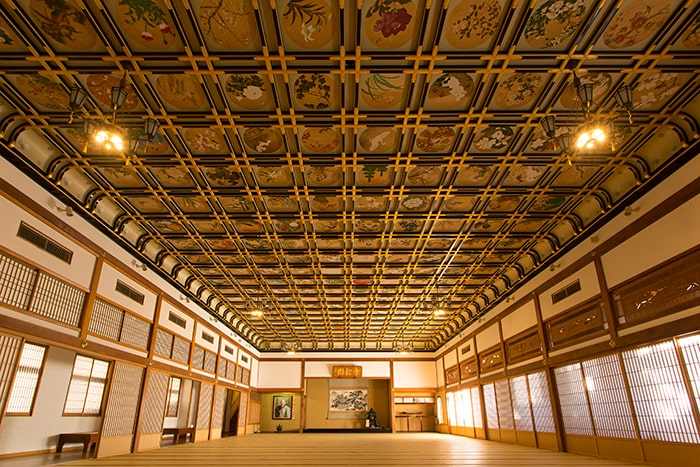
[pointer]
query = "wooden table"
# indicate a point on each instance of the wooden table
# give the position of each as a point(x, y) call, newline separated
point(408, 415)
point(87, 439)
point(177, 432)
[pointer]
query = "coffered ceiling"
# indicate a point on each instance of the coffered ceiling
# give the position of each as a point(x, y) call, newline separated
point(348, 164)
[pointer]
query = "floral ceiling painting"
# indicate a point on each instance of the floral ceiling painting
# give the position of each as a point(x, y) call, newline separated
point(349, 162)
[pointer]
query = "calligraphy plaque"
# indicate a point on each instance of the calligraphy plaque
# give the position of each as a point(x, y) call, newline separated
point(347, 371)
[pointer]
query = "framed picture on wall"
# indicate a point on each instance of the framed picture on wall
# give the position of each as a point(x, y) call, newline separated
point(281, 407)
point(348, 400)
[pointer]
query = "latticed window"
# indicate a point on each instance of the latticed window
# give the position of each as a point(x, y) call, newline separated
point(541, 403)
point(610, 406)
point(173, 402)
point(491, 406)
point(573, 401)
point(661, 401)
point(87, 385)
point(26, 381)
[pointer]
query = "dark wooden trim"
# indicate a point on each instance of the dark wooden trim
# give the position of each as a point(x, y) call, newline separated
point(89, 302)
point(605, 297)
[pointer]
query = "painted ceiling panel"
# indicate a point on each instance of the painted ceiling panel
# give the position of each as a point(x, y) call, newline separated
point(350, 166)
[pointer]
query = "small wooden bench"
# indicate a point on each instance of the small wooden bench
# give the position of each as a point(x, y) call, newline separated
point(180, 431)
point(87, 439)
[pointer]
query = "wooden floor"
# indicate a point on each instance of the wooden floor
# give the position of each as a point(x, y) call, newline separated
point(334, 450)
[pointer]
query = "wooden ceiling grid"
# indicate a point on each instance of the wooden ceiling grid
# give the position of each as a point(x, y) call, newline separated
point(279, 194)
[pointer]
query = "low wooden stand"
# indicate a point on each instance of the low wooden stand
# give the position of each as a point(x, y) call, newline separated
point(86, 439)
point(177, 432)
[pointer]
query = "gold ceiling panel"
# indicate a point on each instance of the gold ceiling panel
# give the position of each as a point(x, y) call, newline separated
point(349, 164)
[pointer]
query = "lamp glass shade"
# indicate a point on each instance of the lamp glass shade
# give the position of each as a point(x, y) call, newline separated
point(623, 96)
point(585, 95)
point(89, 127)
point(548, 125)
point(134, 144)
point(77, 97)
point(564, 142)
point(151, 127)
point(118, 96)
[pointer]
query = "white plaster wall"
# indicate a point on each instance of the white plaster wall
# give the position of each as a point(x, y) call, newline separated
point(521, 319)
point(466, 350)
point(671, 235)
point(440, 372)
point(415, 375)
point(40, 431)
point(487, 338)
point(244, 359)
point(231, 356)
point(254, 373)
point(163, 321)
point(79, 271)
point(589, 288)
point(106, 288)
point(211, 347)
point(450, 358)
point(279, 375)
point(324, 369)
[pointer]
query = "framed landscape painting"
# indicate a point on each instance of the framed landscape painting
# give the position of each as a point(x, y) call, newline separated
point(348, 400)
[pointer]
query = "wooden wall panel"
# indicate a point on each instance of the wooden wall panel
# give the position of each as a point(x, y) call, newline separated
point(9, 354)
point(660, 292)
point(218, 412)
point(523, 346)
point(120, 410)
point(206, 395)
point(490, 359)
point(468, 368)
point(577, 325)
point(452, 375)
point(154, 402)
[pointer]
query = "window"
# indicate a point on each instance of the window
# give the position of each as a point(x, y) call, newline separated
point(87, 385)
point(659, 394)
point(541, 402)
point(177, 320)
point(26, 381)
point(573, 401)
point(40, 240)
point(173, 397)
point(567, 291)
point(130, 292)
point(207, 337)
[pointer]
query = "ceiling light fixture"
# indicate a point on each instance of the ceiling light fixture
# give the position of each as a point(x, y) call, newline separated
point(258, 307)
point(291, 349)
point(104, 131)
point(403, 349)
point(440, 304)
point(596, 129)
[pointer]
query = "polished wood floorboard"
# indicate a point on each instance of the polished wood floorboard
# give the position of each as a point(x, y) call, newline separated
point(348, 450)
